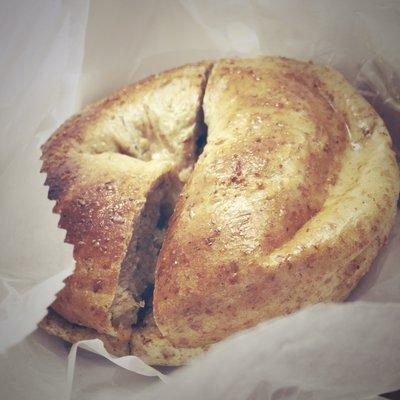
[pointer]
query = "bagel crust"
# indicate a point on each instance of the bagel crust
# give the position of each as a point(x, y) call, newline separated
point(287, 206)
point(146, 342)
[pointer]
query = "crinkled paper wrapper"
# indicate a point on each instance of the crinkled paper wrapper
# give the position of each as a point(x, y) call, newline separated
point(57, 56)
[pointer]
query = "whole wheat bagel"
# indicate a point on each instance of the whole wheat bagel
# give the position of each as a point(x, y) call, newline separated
point(288, 204)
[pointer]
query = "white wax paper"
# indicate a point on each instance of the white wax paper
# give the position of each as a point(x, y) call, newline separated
point(58, 55)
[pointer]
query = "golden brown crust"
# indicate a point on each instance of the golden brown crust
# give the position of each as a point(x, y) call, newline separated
point(55, 325)
point(146, 341)
point(148, 344)
point(287, 206)
point(101, 164)
point(99, 217)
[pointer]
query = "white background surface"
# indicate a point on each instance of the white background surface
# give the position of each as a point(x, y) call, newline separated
point(57, 56)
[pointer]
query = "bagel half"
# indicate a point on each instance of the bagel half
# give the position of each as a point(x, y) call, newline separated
point(288, 204)
point(115, 170)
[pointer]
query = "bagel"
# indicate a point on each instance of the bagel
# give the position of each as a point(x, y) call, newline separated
point(288, 204)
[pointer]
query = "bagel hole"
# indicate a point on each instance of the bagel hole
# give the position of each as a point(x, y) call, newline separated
point(136, 277)
point(201, 140)
point(165, 212)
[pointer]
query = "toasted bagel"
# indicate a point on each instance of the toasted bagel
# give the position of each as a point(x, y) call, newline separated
point(288, 204)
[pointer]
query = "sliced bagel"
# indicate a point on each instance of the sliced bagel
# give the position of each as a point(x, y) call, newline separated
point(289, 203)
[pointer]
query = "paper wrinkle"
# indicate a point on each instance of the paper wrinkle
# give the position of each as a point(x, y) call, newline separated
point(130, 363)
point(378, 80)
point(43, 64)
point(321, 349)
point(15, 322)
point(289, 356)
